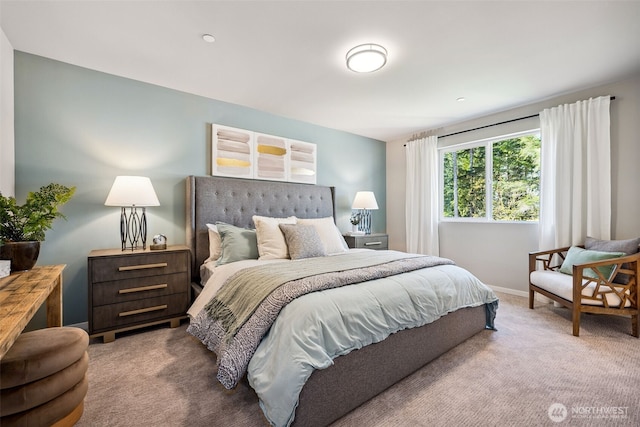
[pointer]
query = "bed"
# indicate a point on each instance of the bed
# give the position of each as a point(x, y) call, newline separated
point(355, 375)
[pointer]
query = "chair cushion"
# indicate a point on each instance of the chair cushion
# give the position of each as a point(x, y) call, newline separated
point(27, 396)
point(38, 354)
point(52, 411)
point(562, 285)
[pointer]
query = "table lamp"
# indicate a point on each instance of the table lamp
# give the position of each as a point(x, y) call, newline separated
point(132, 192)
point(365, 201)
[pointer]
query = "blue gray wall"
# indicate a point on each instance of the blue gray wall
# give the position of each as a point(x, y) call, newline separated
point(82, 128)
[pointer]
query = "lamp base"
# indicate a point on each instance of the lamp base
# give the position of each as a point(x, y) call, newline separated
point(365, 221)
point(133, 229)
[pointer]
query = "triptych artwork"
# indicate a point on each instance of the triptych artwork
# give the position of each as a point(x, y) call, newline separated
point(245, 154)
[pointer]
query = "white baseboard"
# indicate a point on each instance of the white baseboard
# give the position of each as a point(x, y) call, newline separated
point(524, 294)
point(509, 291)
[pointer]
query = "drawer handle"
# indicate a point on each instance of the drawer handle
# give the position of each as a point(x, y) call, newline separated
point(142, 310)
point(143, 288)
point(372, 243)
point(142, 266)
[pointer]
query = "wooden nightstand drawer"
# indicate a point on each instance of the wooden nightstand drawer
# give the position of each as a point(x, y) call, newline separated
point(142, 265)
point(113, 316)
point(133, 289)
point(368, 241)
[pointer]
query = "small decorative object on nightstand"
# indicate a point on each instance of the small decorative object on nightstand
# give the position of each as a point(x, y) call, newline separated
point(369, 241)
point(132, 289)
point(159, 243)
point(355, 220)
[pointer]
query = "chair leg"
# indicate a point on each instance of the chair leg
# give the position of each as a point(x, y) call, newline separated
point(634, 325)
point(532, 295)
point(576, 321)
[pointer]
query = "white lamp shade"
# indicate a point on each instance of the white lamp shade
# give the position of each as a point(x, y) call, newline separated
point(132, 191)
point(365, 200)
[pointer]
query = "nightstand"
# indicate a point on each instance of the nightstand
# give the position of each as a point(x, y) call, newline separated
point(368, 241)
point(133, 289)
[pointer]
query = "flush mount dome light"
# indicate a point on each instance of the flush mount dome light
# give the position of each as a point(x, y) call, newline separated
point(366, 58)
point(208, 38)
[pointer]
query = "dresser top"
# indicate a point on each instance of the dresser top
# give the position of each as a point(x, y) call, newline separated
point(119, 252)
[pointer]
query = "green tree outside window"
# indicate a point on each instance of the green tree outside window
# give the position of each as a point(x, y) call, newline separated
point(514, 174)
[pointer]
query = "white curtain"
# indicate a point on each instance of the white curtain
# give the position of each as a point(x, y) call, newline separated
point(575, 194)
point(422, 198)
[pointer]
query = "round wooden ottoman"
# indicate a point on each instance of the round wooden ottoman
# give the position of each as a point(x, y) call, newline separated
point(43, 378)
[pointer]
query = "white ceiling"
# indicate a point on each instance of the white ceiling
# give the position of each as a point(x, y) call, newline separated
point(287, 57)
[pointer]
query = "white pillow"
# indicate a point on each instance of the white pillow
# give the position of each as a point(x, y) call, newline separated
point(215, 243)
point(329, 234)
point(271, 243)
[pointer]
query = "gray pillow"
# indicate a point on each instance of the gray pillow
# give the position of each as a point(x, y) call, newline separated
point(303, 241)
point(629, 247)
point(237, 243)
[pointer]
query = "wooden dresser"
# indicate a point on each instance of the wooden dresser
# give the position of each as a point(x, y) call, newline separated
point(132, 289)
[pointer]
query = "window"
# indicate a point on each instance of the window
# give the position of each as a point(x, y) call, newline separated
point(496, 179)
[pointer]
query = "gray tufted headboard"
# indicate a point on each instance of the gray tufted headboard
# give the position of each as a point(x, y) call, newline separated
point(235, 201)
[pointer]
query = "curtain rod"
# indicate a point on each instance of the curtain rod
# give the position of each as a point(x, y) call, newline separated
point(422, 134)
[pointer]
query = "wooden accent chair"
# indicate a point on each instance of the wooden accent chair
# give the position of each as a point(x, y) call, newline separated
point(616, 294)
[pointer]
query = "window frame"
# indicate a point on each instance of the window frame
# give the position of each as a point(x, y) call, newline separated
point(487, 143)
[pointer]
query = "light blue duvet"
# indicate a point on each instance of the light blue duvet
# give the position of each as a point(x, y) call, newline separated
point(315, 328)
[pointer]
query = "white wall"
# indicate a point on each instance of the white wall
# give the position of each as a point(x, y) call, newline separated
point(7, 150)
point(497, 253)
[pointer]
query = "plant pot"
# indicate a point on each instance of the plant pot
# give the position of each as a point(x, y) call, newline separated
point(23, 255)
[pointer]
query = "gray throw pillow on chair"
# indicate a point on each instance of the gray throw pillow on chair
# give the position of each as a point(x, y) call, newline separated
point(629, 247)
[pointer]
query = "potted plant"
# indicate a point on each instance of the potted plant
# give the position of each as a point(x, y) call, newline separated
point(22, 227)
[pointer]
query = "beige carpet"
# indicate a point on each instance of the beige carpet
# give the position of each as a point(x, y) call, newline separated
point(164, 377)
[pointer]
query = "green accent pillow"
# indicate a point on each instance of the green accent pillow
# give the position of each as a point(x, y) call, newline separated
point(577, 255)
point(237, 243)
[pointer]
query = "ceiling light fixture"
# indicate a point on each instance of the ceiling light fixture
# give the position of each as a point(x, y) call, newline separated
point(366, 58)
point(208, 38)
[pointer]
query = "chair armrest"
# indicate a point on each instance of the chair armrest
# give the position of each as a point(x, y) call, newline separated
point(546, 258)
point(619, 267)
